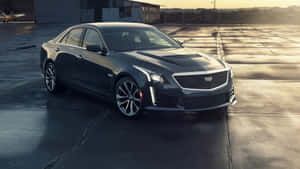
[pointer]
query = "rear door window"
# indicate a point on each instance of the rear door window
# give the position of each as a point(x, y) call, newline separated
point(74, 37)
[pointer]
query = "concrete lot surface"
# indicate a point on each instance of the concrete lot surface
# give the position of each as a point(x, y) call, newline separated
point(76, 131)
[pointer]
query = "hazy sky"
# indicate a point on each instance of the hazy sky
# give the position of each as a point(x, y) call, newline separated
point(223, 3)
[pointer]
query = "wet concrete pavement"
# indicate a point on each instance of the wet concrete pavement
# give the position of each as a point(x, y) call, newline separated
point(72, 130)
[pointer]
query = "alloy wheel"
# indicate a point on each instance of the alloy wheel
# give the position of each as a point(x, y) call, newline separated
point(128, 98)
point(50, 77)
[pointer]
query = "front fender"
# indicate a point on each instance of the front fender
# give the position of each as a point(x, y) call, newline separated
point(139, 77)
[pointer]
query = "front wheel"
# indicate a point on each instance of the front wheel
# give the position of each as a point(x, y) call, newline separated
point(50, 78)
point(128, 97)
point(224, 109)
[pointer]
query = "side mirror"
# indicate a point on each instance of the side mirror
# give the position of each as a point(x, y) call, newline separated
point(96, 48)
point(93, 48)
point(104, 51)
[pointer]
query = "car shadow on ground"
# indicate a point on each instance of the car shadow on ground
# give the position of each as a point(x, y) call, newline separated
point(152, 141)
point(91, 105)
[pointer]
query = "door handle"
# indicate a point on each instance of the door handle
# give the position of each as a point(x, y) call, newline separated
point(80, 57)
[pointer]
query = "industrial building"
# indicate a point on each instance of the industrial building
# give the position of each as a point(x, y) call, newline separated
point(81, 11)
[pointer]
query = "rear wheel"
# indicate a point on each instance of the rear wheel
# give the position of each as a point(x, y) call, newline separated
point(128, 98)
point(50, 78)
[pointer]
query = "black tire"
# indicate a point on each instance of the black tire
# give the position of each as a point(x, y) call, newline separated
point(127, 99)
point(223, 109)
point(50, 79)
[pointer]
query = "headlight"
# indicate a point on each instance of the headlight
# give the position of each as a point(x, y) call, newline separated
point(151, 76)
point(157, 78)
point(228, 66)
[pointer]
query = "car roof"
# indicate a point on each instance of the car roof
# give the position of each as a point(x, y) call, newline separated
point(112, 25)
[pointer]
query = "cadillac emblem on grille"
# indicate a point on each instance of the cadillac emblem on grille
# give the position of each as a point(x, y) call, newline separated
point(208, 78)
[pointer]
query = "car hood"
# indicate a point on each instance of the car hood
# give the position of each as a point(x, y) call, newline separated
point(179, 59)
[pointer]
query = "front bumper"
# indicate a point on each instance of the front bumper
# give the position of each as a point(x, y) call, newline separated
point(232, 101)
point(177, 99)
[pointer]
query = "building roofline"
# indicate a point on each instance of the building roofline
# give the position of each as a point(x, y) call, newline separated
point(145, 3)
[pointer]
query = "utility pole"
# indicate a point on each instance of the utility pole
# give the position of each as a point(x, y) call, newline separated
point(215, 4)
point(214, 10)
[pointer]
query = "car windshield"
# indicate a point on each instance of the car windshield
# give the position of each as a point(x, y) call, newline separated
point(130, 39)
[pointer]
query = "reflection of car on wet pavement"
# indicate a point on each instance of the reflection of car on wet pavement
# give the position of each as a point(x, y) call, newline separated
point(137, 65)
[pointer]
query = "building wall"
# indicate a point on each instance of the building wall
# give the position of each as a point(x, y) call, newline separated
point(114, 15)
point(81, 11)
point(137, 14)
point(57, 11)
point(151, 14)
point(87, 15)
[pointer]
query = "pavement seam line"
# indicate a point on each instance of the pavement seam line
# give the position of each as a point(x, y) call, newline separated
point(220, 48)
point(52, 164)
point(228, 143)
point(221, 55)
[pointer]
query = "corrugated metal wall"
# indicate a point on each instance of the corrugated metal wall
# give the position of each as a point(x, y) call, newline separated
point(57, 11)
point(78, 11)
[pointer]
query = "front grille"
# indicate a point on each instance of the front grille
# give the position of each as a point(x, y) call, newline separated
point(202, 81)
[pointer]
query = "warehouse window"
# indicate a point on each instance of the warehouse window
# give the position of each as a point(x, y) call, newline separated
point(125, 12)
